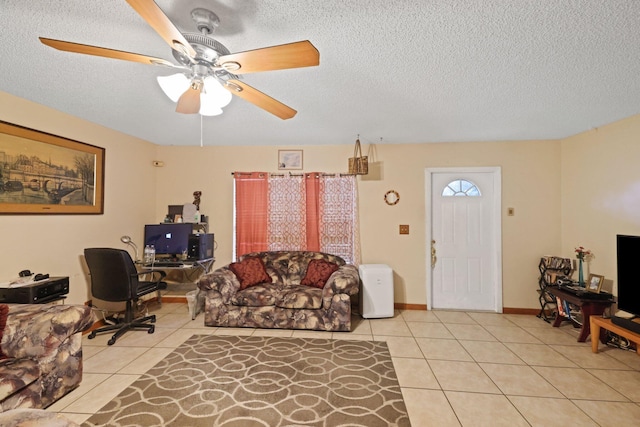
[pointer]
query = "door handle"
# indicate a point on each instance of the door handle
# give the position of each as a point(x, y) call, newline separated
point(434, 258)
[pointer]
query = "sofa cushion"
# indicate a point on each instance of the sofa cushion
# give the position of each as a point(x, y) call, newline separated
point(318, 272)
point(299, 296)
point(250, 272)
point(17, 374)
point(256, 296)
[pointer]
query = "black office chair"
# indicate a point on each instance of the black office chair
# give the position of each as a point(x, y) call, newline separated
point(114, 277)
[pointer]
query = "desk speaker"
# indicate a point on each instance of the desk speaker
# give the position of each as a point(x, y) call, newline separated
point(200, 247)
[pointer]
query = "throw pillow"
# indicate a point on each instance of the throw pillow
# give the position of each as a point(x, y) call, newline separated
point(318, 272)
point(4, 312)
point(250, 272)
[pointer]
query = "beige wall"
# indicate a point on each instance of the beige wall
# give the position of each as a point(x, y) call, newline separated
point(579, 191)
point(54, 243)
point(530, 174)
point(601, 192)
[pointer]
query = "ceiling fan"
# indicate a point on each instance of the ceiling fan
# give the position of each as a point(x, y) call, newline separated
point(207, 66)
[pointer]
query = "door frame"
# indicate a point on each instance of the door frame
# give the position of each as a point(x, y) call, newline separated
point(496, 172)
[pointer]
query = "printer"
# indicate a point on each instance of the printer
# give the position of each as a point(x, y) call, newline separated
point(35, 292)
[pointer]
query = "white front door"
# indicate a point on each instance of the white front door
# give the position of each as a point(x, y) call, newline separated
point(465, 230)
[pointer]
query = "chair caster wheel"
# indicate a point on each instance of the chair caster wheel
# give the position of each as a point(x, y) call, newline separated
point(92, 335)
point(151, 330)
point(111, 341)
point(153, 319)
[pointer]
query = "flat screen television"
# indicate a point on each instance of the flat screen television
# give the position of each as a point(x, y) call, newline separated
point(168, 239)
point(628, 253)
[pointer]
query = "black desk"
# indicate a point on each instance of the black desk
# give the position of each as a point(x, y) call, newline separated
point(588, 307)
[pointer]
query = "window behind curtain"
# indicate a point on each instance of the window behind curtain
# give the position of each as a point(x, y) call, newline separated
point(313, 212)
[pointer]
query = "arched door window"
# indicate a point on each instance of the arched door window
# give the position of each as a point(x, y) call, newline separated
point(461, 187)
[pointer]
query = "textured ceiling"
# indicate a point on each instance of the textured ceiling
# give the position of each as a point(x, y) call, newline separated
point(406, 71)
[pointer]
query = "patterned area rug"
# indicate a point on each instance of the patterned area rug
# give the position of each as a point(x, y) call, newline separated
point(263, 381)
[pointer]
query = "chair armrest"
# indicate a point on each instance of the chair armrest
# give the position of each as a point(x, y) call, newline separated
point(34, 330)
point(345, 280)
point(222, 280)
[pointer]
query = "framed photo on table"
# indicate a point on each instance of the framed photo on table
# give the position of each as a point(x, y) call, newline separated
point(594, 283)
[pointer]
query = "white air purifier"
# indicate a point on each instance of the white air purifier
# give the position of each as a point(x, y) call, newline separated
point(376, 295)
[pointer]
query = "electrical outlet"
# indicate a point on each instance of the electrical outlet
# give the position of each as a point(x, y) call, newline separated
point(404, 229)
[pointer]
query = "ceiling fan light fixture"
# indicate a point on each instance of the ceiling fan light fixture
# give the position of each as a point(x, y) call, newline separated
point(208, 108)
point(174, 86)
point(214, 93)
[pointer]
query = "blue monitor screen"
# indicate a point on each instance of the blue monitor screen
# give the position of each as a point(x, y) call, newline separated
point(168, 238)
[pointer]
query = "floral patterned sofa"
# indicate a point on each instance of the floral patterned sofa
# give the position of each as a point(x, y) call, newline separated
point(281, 289)
point(25, 417)
point(40, 353)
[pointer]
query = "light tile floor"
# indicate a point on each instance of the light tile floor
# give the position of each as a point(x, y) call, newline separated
point(454, 368)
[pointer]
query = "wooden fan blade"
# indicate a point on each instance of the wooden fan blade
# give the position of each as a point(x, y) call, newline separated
point(259, 99)
point(104, 52)
point(292, 55)
point(155, 17)
point(189, 102)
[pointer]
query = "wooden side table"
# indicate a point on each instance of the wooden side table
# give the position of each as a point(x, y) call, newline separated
point(588, 307)
point(599, 322)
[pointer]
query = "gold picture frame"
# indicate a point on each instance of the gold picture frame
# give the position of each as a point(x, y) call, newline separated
point(594, 283)
point(41, 173)
point(290, 159)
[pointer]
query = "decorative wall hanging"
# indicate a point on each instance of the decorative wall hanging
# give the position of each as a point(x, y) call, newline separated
point(42, 173)
point(391, 197)
point(358, 164)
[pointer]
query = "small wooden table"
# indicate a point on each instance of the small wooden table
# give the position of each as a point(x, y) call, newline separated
point(588, 307)
point(599, 322)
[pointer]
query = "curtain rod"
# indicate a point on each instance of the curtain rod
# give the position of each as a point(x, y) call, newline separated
point(295, 174)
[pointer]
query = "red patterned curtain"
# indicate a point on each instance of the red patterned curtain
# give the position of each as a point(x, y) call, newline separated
point(314, 212)
point(312, 191)
point(252, 210)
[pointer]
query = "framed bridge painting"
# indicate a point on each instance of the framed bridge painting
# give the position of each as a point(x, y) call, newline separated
point(42, 173)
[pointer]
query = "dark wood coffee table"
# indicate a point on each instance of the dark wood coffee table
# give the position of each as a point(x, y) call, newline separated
point(588, 307)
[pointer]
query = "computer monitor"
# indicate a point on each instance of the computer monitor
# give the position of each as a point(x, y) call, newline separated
point(168, 239)
point(628, 251)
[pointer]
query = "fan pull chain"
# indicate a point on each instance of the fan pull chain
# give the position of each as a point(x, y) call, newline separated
point(201, 142)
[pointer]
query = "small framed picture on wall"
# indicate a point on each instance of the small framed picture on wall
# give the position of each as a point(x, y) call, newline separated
point(290, 159)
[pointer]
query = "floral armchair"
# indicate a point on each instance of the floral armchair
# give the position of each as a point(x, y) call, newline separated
point(40, 353)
